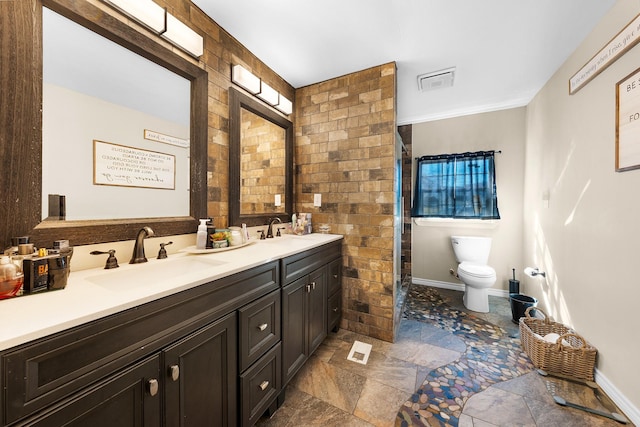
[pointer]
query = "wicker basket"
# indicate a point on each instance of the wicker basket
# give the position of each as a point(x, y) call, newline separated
point(577, 359)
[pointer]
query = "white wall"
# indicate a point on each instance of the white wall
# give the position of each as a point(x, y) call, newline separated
point(432, 254)
point(587, 238)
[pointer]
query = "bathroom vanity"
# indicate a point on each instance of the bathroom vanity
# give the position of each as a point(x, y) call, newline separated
point(192, 340)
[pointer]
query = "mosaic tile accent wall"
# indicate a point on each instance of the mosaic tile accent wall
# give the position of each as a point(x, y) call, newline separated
point(345, 140)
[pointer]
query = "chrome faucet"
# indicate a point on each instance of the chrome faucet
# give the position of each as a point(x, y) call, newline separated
point(270, 229)
point(138, 249)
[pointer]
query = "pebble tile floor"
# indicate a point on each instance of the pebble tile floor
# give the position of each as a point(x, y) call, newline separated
point(448, 367)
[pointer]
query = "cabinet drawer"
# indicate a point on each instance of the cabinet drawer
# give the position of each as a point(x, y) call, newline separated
point(299, 265)
point(259, 328)
point(260, 386)
point(334, 310)
point(334, 277)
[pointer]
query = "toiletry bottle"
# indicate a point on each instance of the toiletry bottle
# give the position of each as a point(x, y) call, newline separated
point(245, 233)
point(201, 235)
point(210, 230)
point(309, 229)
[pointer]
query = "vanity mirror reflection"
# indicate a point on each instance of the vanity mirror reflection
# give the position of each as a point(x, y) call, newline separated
point(260, 162)
point(22, 140)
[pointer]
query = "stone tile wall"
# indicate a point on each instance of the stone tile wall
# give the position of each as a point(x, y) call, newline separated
point(345, 147)
point(262, 165)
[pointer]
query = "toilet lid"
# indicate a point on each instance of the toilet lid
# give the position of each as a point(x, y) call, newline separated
point(477, 270)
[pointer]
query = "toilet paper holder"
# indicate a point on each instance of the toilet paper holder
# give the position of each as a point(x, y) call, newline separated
point(534, 271)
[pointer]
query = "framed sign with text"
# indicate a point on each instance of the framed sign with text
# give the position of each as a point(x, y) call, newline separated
point(628, 122)
point(124, 166)
point(627, 38)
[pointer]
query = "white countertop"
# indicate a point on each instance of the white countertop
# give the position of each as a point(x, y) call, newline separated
point(96, 293)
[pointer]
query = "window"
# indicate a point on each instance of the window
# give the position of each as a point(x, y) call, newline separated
point(456, 186)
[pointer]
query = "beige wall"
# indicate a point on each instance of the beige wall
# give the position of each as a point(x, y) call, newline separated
point(587, 238)
point(432, 255)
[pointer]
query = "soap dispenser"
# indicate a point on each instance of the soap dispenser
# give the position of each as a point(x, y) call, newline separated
point(201, 235)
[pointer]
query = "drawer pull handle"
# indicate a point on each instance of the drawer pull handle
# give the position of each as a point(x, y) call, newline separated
point(313, 285)
point(174, 370)
point(335, 309)
point(263, 326)
point(263, 385)
point(152, 384)
point(308, 288)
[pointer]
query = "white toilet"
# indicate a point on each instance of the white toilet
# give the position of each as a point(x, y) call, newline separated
point(472, 254)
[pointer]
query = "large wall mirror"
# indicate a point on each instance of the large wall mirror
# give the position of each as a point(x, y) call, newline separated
point(164, 134)
point(260, 162)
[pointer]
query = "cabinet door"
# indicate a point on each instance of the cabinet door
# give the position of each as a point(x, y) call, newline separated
point(294, 333)
point(130, 398)
point(317, 309)
point(201, 374)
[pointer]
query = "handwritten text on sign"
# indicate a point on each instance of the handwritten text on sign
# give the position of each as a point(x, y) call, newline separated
point(622, 42)
point(124, 166)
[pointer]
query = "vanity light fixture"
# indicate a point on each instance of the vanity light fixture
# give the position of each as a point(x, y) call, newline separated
point(146, 12)
point(245, 79)
point(254, 84)
point(268, 94)
point(156, 18)
point(184, 37)
point(285, 105)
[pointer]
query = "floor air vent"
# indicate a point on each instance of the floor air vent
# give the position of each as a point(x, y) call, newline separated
point(436, 79)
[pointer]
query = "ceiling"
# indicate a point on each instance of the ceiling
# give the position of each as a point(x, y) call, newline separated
point(504, 51)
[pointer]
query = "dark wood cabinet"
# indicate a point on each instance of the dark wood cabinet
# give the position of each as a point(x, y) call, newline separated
point(334, 292)
point(307, 279)
point(218, 354)
point(200, 377)
point(304, 320)
point(130, 398)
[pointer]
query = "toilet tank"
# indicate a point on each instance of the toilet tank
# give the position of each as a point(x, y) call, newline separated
point(471, 248)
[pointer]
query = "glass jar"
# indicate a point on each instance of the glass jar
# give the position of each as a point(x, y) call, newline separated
point(11, 278)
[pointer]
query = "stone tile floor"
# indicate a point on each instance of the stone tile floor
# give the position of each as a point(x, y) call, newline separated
point(501, 389)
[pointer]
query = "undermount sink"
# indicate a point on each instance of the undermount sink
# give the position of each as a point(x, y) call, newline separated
point(155, 271)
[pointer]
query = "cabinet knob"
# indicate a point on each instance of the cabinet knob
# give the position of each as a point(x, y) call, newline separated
point(263, 326)
point(335, 276)
point(152, 386)
point(335, 309)
point(263, 385)
point(174, 371)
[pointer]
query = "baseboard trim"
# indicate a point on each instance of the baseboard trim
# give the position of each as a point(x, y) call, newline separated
point(456, 286)
point(628, 408)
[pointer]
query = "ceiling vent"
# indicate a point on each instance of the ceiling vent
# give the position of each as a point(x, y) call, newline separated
point(436, 79)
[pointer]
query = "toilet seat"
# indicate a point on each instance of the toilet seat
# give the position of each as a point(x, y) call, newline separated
point(477, 270)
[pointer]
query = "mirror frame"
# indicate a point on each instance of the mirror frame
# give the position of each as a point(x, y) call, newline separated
point(238, 101)
point(22, 139)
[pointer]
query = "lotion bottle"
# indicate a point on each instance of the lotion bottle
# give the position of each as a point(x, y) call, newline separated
point(201, 235)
